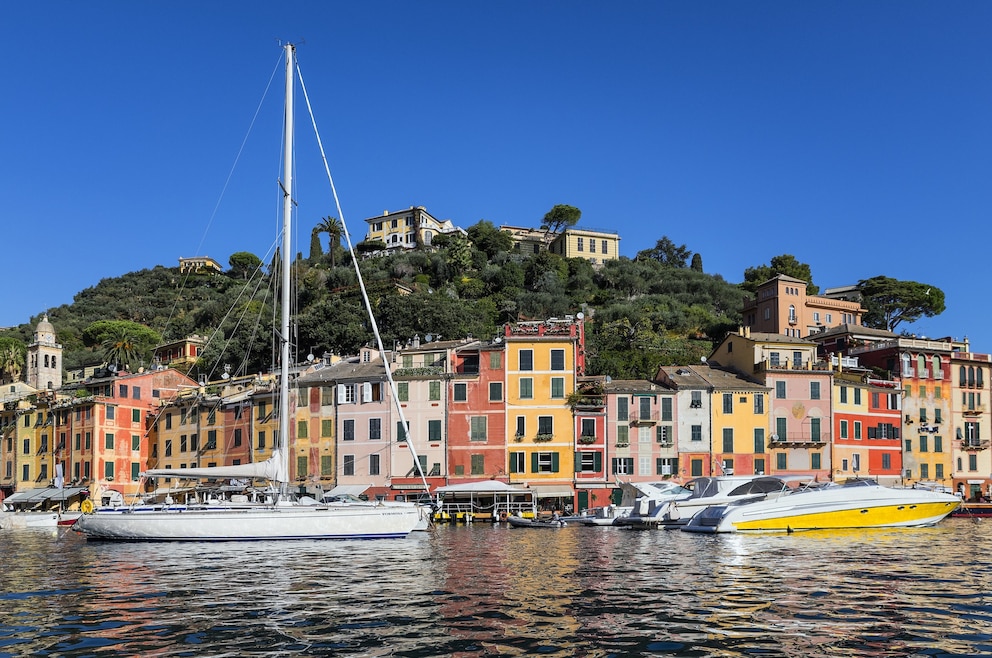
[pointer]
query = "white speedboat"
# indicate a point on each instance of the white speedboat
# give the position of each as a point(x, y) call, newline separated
point(703, 493)
point(645, 504)
point(855, 504)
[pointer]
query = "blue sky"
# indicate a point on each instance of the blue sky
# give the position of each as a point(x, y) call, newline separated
point(852, 135)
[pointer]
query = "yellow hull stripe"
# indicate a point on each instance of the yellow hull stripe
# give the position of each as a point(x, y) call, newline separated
point(902, 514)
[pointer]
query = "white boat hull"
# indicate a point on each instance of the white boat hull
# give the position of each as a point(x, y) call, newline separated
point(839, 507)
point(250, 524)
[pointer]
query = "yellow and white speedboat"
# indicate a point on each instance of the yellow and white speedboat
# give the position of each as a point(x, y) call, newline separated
point(855, 504)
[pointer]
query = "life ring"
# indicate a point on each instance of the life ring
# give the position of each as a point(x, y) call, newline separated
point(86, 507)
point(502, 516)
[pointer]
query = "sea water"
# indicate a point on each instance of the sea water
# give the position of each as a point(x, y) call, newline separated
point(497, 591)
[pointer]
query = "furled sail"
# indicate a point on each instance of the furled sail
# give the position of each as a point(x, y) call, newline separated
point(268, 469)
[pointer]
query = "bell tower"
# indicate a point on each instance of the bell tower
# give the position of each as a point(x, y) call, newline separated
point(44, 370)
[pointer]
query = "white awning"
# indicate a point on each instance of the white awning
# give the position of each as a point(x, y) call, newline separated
point(553, 491)
point(348, 490)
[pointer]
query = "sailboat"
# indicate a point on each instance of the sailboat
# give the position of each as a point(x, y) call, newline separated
point(278, 516)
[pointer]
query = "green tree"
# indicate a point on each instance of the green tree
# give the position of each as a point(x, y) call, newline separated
point(697, 263)
point(12, 359)
point(786, 264)
point(890, 302)
point(489, 239)
point(243, 264)
point(666, 252)
point(332, 227)
point(316, 251)
point(558, 219)
point(124, 343)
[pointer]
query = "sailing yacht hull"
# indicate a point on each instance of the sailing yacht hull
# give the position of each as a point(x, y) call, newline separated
point(253, 524)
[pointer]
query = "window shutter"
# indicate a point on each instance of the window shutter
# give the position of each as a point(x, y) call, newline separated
point(366, 391)
point(598, 461)
point(871, 432)
point(554, 462)
point(533, 462)
point(341, 394)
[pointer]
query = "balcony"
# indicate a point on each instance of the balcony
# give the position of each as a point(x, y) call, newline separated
point(644, 419)
point(974, 445)
point(586, 439)
point(976, 410)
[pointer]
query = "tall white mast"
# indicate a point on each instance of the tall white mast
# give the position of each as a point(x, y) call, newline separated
point(287, 210)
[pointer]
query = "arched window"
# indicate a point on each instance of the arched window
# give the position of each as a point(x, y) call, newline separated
point(46, 360)
point(53, 366)
point(978, 378)
point(906, 370)
point(971, 376)
point(963, 376)
point(936, 367)
point(921, 365)
point(792, 313)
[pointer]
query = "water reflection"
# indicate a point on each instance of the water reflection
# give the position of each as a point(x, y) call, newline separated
point(480, 591)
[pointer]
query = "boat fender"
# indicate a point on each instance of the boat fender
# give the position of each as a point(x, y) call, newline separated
point(86, 507)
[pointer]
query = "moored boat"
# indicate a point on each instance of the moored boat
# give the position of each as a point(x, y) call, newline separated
point(521, 522)
point(675, 510)
point(854, 504)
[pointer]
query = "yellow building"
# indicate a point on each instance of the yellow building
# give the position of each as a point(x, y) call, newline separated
point(408, 229)
point(595, 246)
point(543, 360)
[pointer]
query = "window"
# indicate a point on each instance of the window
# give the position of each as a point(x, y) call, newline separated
point(622, 466)
point(301, 429)
point(923, 415)
point(545, 425)
point(402, 431)
point(374, 465)
point(557, 387)
point(759, 403)
point(526, 388)
point(517, 462)
point(108, 441)
point(972, 462)
point(857, 429)
point(544, 462)
point(108, 470)
point(588, 427)
point(843, 429)
point(495, 391)
point(111, 413)
point(843, 395)
point(136, 415)
point(815, 460)
point(697, 433)
point(666, 409)
point(623, 436)
point(924, 471)
point(759, 466)
point(590, 461)
point(348, 429)
point(460, 392)
point(348, 465)
point(211, 440)
point(728, 403)
point(433, 430)
point(375, 428)
point(923, 443)
point(857, 396)
point(326, 465)
point(696, 400)
point(622, 409)
point(939, 471)
point(728, 439)
point(183, 443)
point(495, 361)
point(346, 394)
point(781, 424)
point(557, 359)
point(814, 429)
point(526, 358)
point(434, 392)
point(814, 390)
point(759, 440)
point(797, 360)
point(403, 391)
point(168, 421)
point(781, 461)
point(780, 390)
point(579, 243)
point(261, 441)
point(302, 469)
point(886, 461)
point(326, 427)
point(478, 432)
point(521, 426)
point(774, 360)
point(938, 444)
point(696, 468)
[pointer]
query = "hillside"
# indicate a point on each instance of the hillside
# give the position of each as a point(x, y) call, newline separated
point(643, 313)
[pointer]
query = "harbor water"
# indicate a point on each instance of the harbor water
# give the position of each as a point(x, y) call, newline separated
point(492, 590)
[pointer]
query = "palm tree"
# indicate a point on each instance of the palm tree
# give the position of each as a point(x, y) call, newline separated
point(332, 227)
point(11, 364)
point(119, 348)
